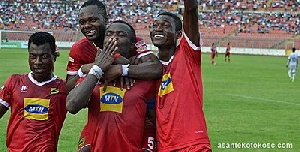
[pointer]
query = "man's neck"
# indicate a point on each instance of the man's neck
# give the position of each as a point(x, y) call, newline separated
point(166, 54)
point(98, 44)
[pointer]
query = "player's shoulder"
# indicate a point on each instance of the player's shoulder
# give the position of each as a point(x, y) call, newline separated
point(81, 43)
point(16, 77)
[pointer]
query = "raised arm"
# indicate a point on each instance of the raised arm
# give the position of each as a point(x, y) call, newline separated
point(190, 20)
point(149, 69)
point(79, 96)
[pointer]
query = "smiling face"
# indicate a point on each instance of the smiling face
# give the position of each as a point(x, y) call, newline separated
point(92, 23)
point(125, 37)
point(41, 61)
point(163, 31)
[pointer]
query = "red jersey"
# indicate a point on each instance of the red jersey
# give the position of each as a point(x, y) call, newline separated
point(38, 111)
point(179, 116)
point(116, 118)
point(149, 140)
point(84, 52)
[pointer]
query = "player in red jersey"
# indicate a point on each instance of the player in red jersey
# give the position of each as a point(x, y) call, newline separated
point(180, 121)
point(213, 54)
point(115, 117)
point(37, 100)
point(92, 20)
point(227, 53)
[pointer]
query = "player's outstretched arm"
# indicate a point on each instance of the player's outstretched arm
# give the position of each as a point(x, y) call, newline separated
point(3, 110)
point(149, 69)
point(79, 96)
point(190, 20)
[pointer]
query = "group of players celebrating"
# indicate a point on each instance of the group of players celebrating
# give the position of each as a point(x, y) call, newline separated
point(136, 101)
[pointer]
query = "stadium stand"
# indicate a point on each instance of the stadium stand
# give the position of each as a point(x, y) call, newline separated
point(221, 21)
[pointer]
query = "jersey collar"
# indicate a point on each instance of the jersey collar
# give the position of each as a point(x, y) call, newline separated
point(168, 62)
point(40, 83)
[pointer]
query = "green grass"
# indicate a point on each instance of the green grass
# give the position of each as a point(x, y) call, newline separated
point(249, 100)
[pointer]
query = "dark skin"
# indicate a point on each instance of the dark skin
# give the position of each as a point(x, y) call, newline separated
point(79, 96)
point(91, 20)
point(164, 36)
point(41, 61)
point(92, 25)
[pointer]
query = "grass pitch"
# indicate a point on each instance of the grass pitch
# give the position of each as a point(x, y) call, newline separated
point(249, 100)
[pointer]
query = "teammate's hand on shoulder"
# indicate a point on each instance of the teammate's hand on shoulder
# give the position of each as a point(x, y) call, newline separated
point(86, 68)
point(113, 72)
point(121, 60)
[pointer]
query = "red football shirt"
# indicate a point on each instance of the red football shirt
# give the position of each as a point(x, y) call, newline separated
point(116, 118)
point(179, 116)
point(38, 111)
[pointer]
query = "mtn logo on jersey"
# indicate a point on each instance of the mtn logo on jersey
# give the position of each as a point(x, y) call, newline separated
point(166, 85)
point(112, 99)
point(36, 108)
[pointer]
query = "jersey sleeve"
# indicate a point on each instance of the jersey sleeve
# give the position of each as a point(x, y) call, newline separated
point(190, 49)
point(141, 48)
point(74, 60)
point(6, 93)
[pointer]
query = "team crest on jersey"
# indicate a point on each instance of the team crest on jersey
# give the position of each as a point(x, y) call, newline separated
point(54, 91)
point(166, 85)
point(81, 141)
point(112, 99)
point(36, 108)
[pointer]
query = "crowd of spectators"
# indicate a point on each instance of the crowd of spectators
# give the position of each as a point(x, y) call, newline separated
point(63, 14)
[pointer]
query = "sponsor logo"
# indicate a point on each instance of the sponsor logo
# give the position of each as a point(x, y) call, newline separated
point(166, 86)
point(112, 99)
point(36, 108)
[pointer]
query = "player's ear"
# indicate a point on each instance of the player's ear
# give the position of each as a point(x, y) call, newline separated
point(178, 34)
point(132, 46)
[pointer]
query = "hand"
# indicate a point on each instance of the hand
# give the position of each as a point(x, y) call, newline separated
point(134, 60)
point(86, 68)
point(113, 72)
point(105, 58)
point(129, 82)
point(121, 60)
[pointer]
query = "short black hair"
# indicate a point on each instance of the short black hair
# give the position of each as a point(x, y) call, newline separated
point(178, 23)
point(99, 4)
point(132, 35)
point(293, 49)
point(40, 38)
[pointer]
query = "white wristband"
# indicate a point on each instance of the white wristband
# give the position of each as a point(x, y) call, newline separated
point(96, 71)
point(125, 69)
point(80, 73)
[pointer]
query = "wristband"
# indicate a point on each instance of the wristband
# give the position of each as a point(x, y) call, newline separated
point(96, 71)
point(125, 69)
point(80, 73)
point(116, 55)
